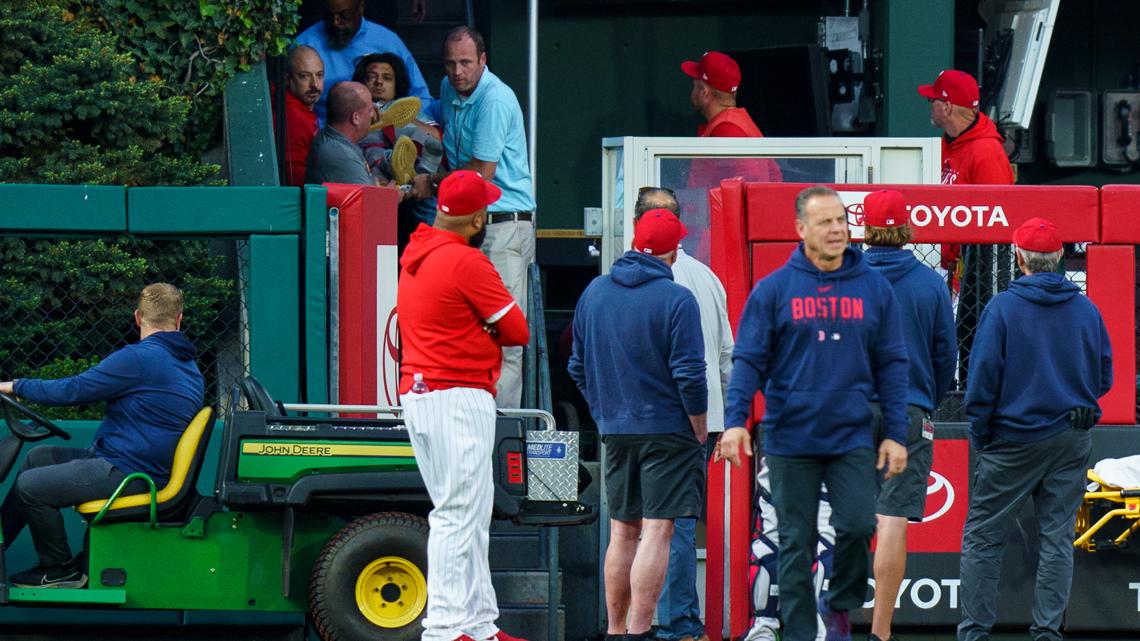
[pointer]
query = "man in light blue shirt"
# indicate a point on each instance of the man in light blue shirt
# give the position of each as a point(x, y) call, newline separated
point(483, 130)
point(344, 36)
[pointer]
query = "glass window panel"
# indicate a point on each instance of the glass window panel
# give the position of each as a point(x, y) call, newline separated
point(691, 178)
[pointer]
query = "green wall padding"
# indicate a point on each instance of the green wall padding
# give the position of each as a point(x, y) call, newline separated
point(275, 303)
point(250, 144)
point(315, 297)
point(69, 208)
point(214, 210)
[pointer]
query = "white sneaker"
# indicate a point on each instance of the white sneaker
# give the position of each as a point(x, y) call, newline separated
point(764, 629)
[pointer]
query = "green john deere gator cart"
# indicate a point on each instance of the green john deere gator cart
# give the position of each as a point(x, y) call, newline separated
point(310, 513)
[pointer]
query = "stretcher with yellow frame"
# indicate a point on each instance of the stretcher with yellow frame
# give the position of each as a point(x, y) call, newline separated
point(1116, 511)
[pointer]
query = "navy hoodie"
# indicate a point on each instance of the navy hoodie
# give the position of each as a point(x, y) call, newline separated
point(153, 389)
point(928, 322)
point(639, 357)
point(1041, 349)
point(820, 345)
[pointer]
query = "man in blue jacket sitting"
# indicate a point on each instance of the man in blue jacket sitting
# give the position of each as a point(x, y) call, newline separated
point(639, 359)
point(152, 388)
point(1041, 360)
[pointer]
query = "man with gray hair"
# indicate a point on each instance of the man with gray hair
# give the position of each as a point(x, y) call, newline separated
point(679, 608)
point(821, 336)
point(1041, 360)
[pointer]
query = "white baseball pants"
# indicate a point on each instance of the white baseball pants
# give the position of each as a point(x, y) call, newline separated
point(453, 434)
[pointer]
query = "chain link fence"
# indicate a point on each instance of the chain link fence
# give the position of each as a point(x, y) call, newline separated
point(67, 303)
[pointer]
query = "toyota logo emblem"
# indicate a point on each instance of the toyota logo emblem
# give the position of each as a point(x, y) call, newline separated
point(938, 485)
point(855, 213)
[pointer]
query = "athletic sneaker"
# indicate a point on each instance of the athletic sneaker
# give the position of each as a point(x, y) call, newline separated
point(403, 160)
point(837, 624)
point(763, 629)
point(53, 576)
point(398, 113)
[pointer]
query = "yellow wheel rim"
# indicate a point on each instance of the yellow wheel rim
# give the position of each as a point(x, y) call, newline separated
point(391, 592)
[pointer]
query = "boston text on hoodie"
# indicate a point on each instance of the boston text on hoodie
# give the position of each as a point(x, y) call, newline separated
point(153, 389)
point(638, 355)
point(1041, 349)
point(820, 345)
point(928, 322)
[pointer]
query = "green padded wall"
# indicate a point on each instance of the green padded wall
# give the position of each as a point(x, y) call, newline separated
point(315, 312)
point(214, 210)
point(274, 303)
point(67, 208)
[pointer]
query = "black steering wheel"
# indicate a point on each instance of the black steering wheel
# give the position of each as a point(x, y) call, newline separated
point(39, 429)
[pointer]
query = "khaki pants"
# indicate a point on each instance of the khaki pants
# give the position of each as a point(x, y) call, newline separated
point(510, 246)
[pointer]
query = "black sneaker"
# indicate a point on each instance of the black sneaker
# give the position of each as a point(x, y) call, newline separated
point(54, 576)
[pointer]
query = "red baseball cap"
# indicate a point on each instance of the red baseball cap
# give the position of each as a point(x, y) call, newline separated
point(465, 192)
point(885, 208)
point(1037, 235)
point(658, 232)
point(953, 86)
point(715, 68)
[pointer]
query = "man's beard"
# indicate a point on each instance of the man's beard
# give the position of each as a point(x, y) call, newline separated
point(476, 241)
point(340, 40)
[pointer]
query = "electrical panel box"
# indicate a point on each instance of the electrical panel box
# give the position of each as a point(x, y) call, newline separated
point(1070, 128)
point(1120, 127)
point(592, 221)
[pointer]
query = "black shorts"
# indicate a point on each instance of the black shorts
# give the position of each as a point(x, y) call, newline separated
point(905, 494)
point(654, 476)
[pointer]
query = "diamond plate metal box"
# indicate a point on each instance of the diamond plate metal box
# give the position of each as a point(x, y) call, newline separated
point(552, 465)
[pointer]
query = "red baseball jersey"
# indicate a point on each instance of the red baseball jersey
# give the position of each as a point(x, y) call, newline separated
point(448, 293)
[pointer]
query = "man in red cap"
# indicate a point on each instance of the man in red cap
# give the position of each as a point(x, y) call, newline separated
point(455, 316)
point(928, 327)
point(716, 77)
point(1041, 360)
point(972, 154)
point(638, 358)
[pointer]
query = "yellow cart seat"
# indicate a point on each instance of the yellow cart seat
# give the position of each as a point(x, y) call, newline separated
point(172, 498)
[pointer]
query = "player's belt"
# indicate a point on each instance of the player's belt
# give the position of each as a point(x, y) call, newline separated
point(509, 216)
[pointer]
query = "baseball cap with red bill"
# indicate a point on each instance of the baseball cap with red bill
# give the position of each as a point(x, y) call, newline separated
point(953, 86)
point(1037, 235)
point(465, 192)
point(885, 208)
point(715, 68)
point(658, 232)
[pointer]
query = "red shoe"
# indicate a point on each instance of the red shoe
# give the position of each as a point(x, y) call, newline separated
point(503, 636)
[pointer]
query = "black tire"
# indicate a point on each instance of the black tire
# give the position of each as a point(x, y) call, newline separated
point(350, 564)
